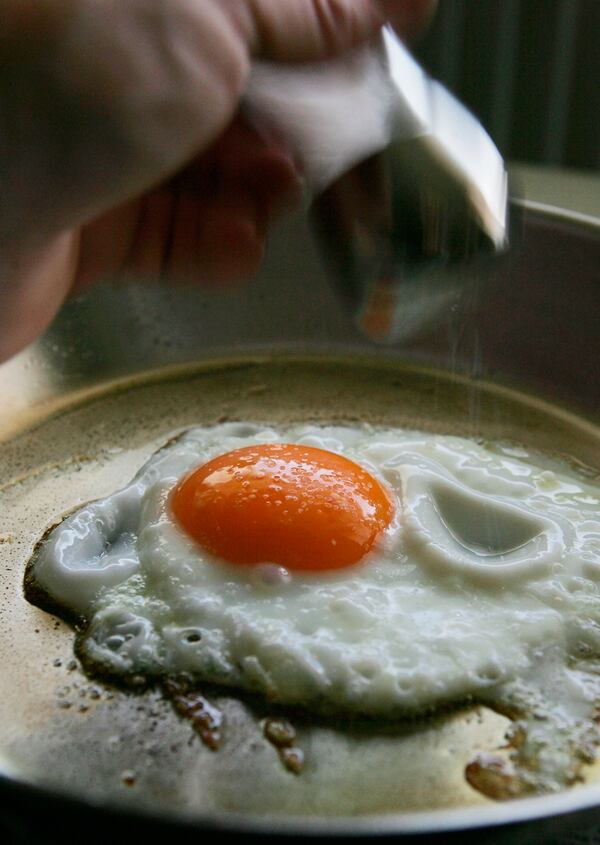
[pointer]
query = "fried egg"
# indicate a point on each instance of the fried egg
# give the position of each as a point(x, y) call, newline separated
point(350, 570)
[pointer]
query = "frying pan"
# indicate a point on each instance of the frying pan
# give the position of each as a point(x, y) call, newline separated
point(128, 765)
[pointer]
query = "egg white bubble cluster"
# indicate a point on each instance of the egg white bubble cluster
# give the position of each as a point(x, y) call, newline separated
point(489, 570)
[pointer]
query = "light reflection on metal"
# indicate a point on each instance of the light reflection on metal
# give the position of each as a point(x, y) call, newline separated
point(409, 187)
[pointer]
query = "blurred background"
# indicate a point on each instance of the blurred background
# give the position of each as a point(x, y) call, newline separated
point(529, 69)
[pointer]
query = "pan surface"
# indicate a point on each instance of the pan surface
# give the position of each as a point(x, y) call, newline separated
point(124, 369)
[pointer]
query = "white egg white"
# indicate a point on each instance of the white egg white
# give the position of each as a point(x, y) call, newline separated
point(486, 585)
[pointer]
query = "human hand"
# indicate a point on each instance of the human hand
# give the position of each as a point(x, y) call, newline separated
point(127, 156)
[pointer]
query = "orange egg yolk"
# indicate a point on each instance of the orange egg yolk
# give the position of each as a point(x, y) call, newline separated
point(300, 507)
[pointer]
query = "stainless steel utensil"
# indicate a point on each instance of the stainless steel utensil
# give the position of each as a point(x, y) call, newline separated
point(409, 189)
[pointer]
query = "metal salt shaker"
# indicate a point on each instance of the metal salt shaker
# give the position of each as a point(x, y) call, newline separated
point(407, 188)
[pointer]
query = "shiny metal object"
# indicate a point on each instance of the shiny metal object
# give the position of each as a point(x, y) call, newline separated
point(409, 189)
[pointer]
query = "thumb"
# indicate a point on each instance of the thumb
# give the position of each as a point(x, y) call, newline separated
point(304, 30)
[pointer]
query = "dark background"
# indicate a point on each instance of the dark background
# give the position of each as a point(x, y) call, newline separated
point(529, 69)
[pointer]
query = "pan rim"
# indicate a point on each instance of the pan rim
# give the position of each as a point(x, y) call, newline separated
point(424, 822)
